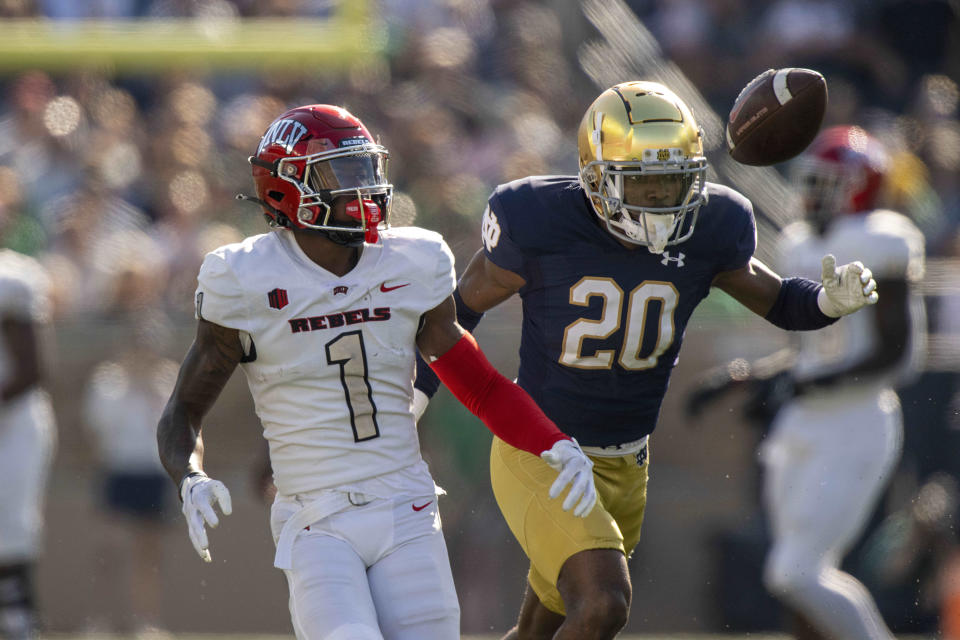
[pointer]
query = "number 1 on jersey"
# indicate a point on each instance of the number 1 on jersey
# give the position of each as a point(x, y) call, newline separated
point(347, 350)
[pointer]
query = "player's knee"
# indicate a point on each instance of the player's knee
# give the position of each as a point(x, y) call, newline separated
point(789, 576)
point(605, 610)
point(441, 620)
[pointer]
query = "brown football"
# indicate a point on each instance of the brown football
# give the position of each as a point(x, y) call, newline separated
point(776, 116)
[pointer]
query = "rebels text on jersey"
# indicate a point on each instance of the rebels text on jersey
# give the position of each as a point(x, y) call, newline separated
point(603, 324)
point(330, 359)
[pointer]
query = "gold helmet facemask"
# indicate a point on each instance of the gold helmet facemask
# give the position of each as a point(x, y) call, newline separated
point(641, 133)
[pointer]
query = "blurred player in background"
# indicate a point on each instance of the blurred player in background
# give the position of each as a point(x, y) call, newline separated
point(122, 401)
point(832, 449)
point(610, 265)
point(835, 420)
point(27, 439)
point(325, 315)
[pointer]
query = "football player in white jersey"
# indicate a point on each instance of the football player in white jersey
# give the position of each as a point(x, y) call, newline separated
point(324, 314)
point(834, 444)
point(832, 450)
point(27, 439)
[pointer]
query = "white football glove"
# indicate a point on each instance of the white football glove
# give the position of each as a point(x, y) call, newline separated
point(575, 469)
point(199, 494)
point(845, 288)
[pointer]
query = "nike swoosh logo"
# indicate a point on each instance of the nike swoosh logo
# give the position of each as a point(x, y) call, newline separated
point(385, 289)
point(421, 507)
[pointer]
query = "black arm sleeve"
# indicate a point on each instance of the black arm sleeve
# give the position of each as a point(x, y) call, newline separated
point(796, 308)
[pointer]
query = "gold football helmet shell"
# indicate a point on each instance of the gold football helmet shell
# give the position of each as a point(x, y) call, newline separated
point(633, 131)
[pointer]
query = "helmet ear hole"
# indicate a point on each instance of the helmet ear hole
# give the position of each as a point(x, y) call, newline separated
point(276, 195)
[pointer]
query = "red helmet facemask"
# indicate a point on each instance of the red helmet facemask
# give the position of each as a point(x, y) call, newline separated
point(316, 162)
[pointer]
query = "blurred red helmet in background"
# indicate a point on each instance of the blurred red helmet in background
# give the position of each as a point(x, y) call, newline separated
point(841, 172)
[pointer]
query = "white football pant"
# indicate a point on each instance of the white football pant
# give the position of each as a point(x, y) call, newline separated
point(827, 461)
point(373, 572)
point(27, 443)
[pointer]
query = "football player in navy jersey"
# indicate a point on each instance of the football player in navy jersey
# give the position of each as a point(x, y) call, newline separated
point(610, 265)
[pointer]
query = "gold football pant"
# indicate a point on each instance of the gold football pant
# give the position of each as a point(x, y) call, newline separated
point(548, 534)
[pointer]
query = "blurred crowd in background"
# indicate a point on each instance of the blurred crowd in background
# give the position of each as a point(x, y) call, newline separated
point(119, 183)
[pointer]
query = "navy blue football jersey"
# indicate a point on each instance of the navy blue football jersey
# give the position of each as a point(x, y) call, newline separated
point(603, 324)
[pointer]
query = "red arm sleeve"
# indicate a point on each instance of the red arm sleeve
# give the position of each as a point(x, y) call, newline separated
point(504, 407)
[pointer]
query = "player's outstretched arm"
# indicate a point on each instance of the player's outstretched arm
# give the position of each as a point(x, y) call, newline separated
point(767, 380)
point(503, 406)
point(209, 362)
point(482, 286)
point(798, 303)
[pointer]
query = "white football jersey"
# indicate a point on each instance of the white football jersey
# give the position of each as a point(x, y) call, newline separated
point(24, 295)
point(27, 426)
point(887, 243)
point(331, 358)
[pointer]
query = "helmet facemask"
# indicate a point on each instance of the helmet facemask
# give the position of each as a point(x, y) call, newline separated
point(824, 190)
point(654, 222)
point(357, 173)
point(642, 165)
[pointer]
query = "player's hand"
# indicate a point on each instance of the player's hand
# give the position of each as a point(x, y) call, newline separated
point(575, 469)
point(199, 494)
point(420, 402)
point(845, 288)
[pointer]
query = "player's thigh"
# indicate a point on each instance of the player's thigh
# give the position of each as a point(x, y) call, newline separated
point(329, 595)
point(26, 449)
point(622, 486)
point(412, 585)
point(821, 483)
point(548, 534)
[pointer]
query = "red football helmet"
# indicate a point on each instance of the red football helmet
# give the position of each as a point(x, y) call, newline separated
point(841, 172)
point(310, 156)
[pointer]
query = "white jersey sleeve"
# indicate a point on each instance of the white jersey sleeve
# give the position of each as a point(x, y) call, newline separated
point(444, 276)
point(429, 264)
point(892, 247)
point(23, 288)
point(220, 298)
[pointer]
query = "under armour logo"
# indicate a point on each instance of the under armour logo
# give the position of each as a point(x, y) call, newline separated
point(667, 259)
point(340, 289)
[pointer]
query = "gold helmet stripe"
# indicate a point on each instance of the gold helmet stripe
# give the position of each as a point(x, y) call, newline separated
point(626, 105)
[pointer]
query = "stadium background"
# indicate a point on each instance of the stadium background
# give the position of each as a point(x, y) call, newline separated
point(124, 132)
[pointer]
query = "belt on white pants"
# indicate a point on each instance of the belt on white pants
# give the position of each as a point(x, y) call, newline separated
point(314, 511)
